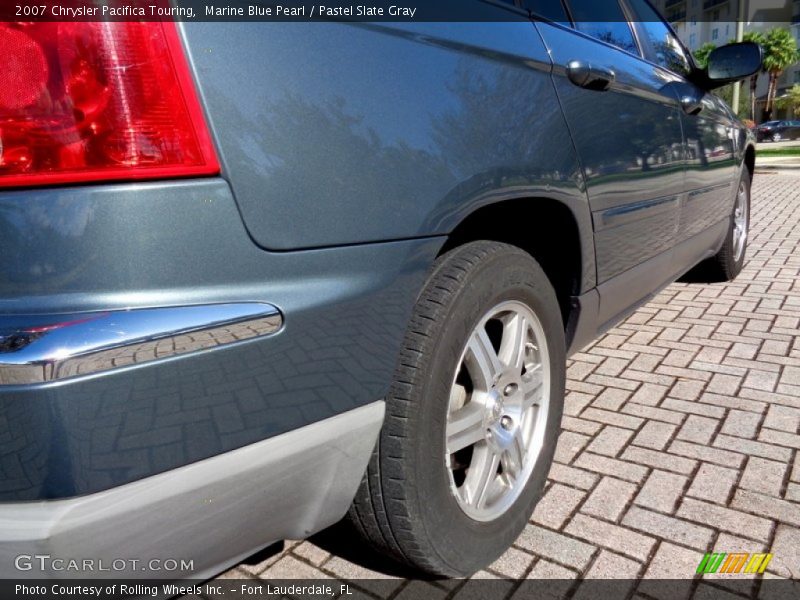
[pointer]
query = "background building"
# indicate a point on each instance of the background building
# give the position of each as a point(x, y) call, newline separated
point(699, 22)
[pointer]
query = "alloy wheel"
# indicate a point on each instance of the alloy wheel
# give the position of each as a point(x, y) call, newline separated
point(740, 221)
point(497, 411)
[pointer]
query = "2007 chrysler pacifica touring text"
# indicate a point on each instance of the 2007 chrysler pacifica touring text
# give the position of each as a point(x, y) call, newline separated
point(256, 275)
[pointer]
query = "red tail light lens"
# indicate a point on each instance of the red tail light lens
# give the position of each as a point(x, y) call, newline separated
point(103, 101)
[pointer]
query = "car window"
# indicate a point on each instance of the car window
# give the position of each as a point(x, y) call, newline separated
point(549, 9)
point(604, 21)
point(661, 45)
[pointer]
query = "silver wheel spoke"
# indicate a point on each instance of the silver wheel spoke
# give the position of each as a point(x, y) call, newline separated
point(515, 335)
point(465, 427)
point(481, 477)
point(483, 362)
point(514, 456)
point(532, 387)
point(740, 222)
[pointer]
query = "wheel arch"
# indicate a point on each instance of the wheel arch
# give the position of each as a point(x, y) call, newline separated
point(750, 158)
point(557, 235)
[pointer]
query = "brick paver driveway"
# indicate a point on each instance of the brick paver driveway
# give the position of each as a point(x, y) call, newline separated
point(680, 433)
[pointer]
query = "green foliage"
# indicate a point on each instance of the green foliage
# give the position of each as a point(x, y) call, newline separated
point(701, 54)
point(791, 100)
point(754, 36)
point(726, 93)
point(792, 151)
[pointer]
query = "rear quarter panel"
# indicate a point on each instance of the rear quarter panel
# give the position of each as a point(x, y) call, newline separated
point(334, 133)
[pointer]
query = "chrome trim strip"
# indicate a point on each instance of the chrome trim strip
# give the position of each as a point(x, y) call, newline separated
point(42, 348)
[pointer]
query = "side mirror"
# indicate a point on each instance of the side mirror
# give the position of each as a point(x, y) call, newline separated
point(733, 62)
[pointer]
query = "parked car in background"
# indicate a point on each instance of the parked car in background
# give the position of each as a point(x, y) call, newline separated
point(241, 297)
point(775, 131)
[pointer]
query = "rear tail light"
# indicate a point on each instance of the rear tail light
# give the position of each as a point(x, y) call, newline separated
point(92, 101)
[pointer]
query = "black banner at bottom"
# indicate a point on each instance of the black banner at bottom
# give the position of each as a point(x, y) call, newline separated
point(722, 588)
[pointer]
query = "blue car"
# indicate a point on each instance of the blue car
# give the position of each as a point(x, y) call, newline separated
point(776, 131)
point(257, 277)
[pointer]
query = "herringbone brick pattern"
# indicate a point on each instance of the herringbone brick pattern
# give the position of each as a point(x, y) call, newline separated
point(681, 434)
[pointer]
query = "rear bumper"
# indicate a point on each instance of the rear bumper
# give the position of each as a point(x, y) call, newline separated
point(194, 521)
point(164, 336)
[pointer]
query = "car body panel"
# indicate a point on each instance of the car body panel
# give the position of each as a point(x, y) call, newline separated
point(660, 181)
point(711, 169)
point(633, 163)
point(116, 247)
point(396, 132)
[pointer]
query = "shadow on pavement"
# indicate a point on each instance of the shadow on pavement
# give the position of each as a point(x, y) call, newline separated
point(343, 541)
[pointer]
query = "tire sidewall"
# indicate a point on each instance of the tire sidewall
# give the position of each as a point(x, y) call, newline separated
point(737, 265)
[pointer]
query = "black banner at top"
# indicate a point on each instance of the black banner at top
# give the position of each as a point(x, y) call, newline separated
point(763, 11)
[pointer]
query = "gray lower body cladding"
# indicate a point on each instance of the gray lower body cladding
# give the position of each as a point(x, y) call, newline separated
point(204, 516)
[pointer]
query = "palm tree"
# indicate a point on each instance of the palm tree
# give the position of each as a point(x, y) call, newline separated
point(757, 38)
point(780, 52)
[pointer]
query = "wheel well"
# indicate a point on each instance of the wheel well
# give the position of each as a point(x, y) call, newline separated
point(750, 159)
point(544, 228)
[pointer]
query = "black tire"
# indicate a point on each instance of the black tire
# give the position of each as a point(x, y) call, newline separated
point(404, 506)
point(725, 265)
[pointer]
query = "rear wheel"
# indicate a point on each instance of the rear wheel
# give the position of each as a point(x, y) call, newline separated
point(728, 262)
point(472, 417)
